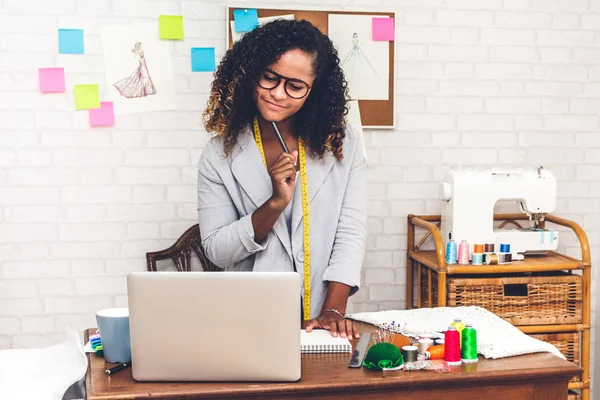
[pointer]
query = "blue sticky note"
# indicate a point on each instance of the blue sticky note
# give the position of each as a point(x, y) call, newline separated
point(245, 20)
point(70, 41)
point(203, 59)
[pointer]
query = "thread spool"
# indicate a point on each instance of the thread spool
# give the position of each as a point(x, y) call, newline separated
point(489, 248)
point(468, 352)
point(409, 353)
point(501, 258)
point(478, 248)
point(463, 253)
point(435, 352)
point(459, 325)
point(451, 250)
point(424, 344)
point(477, 259)
point(452, 346)
point(505, 249)
point(490, 259)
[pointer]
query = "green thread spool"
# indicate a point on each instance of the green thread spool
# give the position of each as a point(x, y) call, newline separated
point(468, 351)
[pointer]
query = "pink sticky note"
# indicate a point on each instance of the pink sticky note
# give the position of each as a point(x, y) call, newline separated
point(52, 80)
point(383, 29)
point(103, 116)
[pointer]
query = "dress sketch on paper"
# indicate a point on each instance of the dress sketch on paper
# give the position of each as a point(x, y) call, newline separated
point(365, 61)
point(356, 62)
point(139, 73)
point(139, 83)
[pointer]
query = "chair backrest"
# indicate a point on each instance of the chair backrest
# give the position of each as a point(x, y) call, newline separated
point(181, 251)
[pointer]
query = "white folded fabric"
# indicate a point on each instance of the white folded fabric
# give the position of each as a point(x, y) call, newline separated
point(42, 374)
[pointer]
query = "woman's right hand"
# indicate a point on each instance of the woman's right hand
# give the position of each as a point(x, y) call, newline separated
point(283, 179)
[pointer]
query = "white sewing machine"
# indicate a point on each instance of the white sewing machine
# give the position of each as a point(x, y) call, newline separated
point(469, 198)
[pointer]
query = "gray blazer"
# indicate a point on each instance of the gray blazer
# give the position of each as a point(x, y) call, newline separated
point(231, 188)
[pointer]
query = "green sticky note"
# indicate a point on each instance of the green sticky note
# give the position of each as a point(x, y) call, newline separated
point(86, 97)
point(171, 26)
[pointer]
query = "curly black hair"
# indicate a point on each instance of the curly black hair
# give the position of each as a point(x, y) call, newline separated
point(321, 120)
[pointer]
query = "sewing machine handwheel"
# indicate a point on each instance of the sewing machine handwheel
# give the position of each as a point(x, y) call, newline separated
point(446, 191)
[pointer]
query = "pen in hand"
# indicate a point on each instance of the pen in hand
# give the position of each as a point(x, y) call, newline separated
point(281, 141)
point(285, 148)
point(119, 367)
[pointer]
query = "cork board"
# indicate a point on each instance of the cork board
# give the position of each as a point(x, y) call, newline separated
point(375, 114)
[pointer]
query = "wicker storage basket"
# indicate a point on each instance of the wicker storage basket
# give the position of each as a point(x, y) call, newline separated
point(521, 299)
point(569, 344)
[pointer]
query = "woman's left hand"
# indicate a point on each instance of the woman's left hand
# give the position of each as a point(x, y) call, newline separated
point(334, 323)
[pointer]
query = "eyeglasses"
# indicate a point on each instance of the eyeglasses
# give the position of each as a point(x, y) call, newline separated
point(295, 88)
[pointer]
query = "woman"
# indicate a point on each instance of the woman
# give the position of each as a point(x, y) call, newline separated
point(256, 201)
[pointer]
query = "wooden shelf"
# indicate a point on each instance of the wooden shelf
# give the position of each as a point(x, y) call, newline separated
point(550, 262)
point(430, 262)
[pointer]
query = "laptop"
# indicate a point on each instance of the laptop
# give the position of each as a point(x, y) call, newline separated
point(214, 326)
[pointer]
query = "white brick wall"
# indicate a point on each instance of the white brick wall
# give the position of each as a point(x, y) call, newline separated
point(510, 82)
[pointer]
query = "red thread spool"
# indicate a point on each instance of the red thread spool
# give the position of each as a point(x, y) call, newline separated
point(452, 346)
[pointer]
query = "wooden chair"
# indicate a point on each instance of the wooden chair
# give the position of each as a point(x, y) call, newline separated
point(181, 251)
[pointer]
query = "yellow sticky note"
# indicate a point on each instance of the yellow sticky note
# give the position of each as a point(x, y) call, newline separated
point(171, 26)
point(86, 97)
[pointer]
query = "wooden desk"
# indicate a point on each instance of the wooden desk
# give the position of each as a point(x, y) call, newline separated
point(327, 376)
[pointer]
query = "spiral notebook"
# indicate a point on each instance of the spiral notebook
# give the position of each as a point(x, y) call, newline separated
point(321, 341)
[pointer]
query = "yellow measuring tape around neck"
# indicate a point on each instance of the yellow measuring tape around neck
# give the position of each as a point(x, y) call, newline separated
point(305, 212)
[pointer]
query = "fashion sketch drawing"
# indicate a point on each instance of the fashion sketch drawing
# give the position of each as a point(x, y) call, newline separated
point(365, 62)
point(139, 73)
point(139, 83)
point(356, 62)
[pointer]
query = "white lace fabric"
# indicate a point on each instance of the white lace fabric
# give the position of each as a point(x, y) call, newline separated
point(496, 338)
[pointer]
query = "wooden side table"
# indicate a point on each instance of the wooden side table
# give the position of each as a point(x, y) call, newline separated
point(433, 277)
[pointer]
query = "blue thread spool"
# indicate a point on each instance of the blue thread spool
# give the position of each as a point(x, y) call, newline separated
point(451, 251)
point(505, 250)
